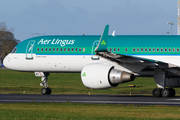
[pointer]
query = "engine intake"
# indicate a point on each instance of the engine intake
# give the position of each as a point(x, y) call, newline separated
point(102, 76)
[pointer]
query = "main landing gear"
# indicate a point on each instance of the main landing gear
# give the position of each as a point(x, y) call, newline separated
point(160, 78)
point(44, 78)
point(167, 92)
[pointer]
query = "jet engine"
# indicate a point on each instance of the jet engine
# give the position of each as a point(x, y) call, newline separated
point(102, 76)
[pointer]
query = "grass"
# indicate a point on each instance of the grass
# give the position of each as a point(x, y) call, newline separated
point(70, 111)
point(67, 83)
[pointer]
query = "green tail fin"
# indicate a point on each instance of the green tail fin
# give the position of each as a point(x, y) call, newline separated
point(102, 46)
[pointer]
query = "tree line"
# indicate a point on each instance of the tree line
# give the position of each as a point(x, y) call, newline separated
point(7, 40)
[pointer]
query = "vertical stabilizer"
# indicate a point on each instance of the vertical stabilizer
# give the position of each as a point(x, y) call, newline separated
point(102, 46)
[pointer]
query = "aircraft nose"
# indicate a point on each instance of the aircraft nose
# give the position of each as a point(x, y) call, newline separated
point(5, 61)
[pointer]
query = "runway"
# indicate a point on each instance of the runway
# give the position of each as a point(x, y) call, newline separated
point(98, 99)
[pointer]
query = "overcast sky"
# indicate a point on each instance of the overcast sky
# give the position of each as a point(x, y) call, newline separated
point(67, 17)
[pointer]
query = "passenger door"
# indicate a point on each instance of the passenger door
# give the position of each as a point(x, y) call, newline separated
point(29, 50)
point(94, 57)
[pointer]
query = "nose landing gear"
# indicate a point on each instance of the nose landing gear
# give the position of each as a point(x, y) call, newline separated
point(44, 78)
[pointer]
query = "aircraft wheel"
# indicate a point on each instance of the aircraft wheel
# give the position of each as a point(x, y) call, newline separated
point(157, 92)
point(172, 92)
point(165, 92)
point(46, 91)
point(49, 90)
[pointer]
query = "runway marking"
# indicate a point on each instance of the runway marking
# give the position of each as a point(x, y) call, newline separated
point(31, 101)
point(173, 99)
point(125, 102)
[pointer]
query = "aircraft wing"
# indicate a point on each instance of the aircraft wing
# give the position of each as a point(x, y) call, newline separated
point(102, 51)
point(134, 60)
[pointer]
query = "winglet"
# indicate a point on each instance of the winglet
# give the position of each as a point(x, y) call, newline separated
point(102, 46)
point(113, 34)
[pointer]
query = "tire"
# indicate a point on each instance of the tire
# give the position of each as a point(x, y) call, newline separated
point(172, 92)
point(165, 92)
point(44, 91)
point(49, 90)
point(157, 92)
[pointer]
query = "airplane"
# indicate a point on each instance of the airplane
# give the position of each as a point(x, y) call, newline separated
point(104, 61)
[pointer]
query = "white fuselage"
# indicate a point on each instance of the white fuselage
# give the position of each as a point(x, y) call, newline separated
point(50, 63)
point(75, 63)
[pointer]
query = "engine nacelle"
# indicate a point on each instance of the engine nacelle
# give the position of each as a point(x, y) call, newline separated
point(101, 76)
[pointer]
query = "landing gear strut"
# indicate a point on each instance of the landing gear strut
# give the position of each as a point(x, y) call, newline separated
point(46, 90)
point(157, 92)
point(44, 78)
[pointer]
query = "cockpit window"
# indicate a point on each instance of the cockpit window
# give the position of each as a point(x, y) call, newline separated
point(14, 50)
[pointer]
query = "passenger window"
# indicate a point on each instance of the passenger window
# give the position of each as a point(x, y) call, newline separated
point(173, 49)
point(114, 49)
point(157, 50)
point(169, 49)
point(79, 49)
point(145, 49)
point(137, 49)
point(46, 49)
point(42, 49)
point(110, 49)
point(149, 49)
point(72, 49)
point(60, 49)
point(76, 49)
point(154, 49)
point(49, 49)
point(64, 49)
point(161, 49)
point(83, 49)
point(57, 49)
point(165, 49)
point(37, 49)
point(141, 49)
point(53, 49)
point(126, 50)
point(68, 49)
point(177, 49)
point(134, 49)
point(118, 49)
